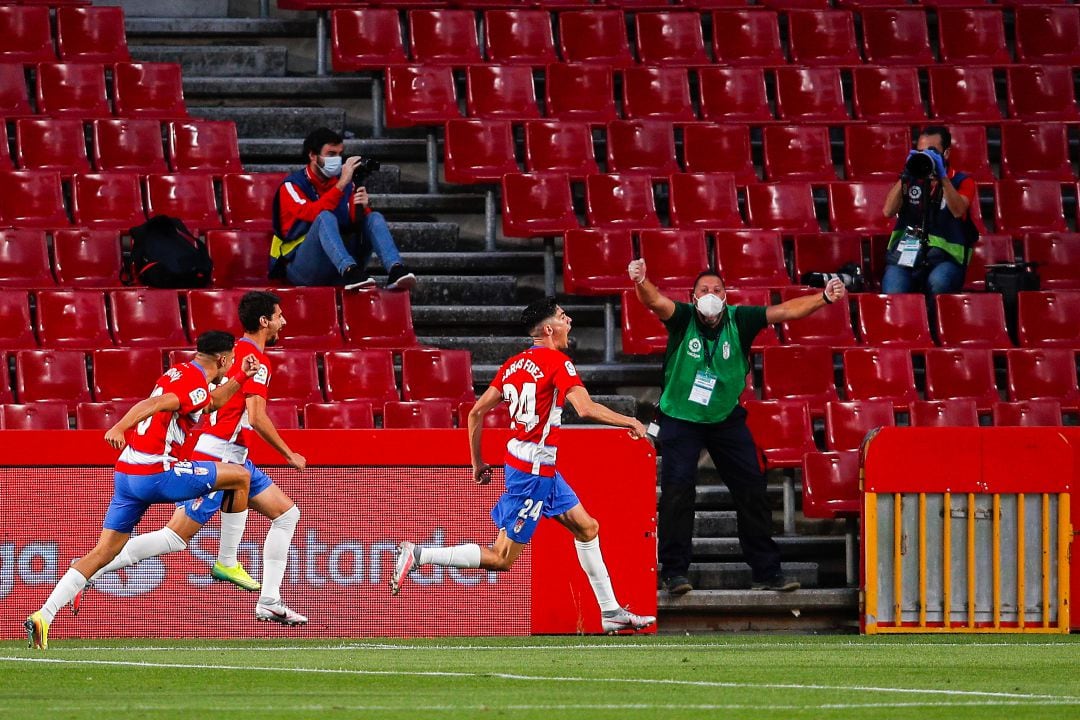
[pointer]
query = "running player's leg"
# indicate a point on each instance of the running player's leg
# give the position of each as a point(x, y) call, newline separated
point(174, 537)
point(283, 514)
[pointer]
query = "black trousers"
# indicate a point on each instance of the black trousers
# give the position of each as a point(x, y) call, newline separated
point(732, 450)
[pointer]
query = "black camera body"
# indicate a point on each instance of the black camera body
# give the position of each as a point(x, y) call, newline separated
point(365, 167)
point(920, 165)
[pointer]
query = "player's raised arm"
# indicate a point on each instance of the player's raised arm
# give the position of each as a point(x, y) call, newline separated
point(589, 409)
point(167, 402)
point(261, 423)
point(650, 295)
point(490, 398)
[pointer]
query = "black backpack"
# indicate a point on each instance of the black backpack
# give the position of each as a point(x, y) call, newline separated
point(165, 254)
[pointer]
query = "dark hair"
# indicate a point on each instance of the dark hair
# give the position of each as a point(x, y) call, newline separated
point(537, 312)
point(214, 342)
point(254, 305)
point(707, 272)
point(318, 137)
point(946, 136)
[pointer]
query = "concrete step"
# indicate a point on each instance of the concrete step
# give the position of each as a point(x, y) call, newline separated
point(503, 318)
point(484, 349)
point(737, 576)
point(216, 9)
point(446, 289)
point(238, 85)
point(256, 61)
point(171, 27)
point(761, 601)
point(625, 404)
point(722, 523)
point(808, 547)
point(423, 236)
point(476, 263)
point(274, 122)
point(597, 376)
point(717, 497)
point(278, 150)
point(404, 204)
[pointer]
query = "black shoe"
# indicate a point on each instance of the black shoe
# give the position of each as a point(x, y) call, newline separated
point(677, 585)
point(778, 582)
point(355, 278)
point(400, 278)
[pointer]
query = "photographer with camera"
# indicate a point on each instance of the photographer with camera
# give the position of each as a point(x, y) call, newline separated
point(324, 229)
point(931, 244)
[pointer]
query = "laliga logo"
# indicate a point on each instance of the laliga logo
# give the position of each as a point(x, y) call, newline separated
point(915, 192)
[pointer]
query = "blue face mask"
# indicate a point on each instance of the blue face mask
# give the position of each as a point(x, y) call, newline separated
point(331, 166)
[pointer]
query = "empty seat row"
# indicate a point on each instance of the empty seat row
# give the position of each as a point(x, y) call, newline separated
point(87, 319)
point(369, 38)
point(427, 94)
point(83, 34)
point(79, 89)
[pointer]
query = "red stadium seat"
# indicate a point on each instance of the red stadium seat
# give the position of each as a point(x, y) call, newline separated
point(898, 320)
point(646, 146)
point(674, 257)
point(961, 373)
point(972, 36)
point(435, 374)
point(294, 376)
point(560, 146)
point(420, 95)
point(831, 485)
point(1038, 373)
point(594, 36)
point(204, 146)
point(781, 429)
point(72, 89)
point(580, 92)
point(27, 34)
point(755, 296)
point(670, 38)
point(896, 36)
point(125, 374)
point(519, 37)
point(14, 98)
point(747, 36)
point(657, 93)
point(788, 207)
point(829, 326)
point(500, 91)
point(87, 258)
point(151, 318)
point(799, 372)
point(478, 151)
point(880, 374)
point(1048, 319)
point(1041, 92)
point(345, 415)
point(1058, 258)
point(825, 252)
point(595, 260)
point(798, 152)
point(963, 94)
point(248, 199)
point(1023, 206)
point(24, 259)
point(423, 414)
point(361, 375)
point(91, 34)
point(98, 416)
point(887, 94)
point(377, 319)
point(847, 423)
point(107, 200)
point(1048, 34)
point(36, 416)
point(968, 152)
point(148, 90)
point(810, 94)
point(991, 248)
point(188, 197)
point(32, 198)
point(971, 320)
point(856, 206)
point(1027, 413)
point(620, 201)
point(496, 417)
point(311, 319)
point(704, 200)
point(51, 144)
point(441, 36)
point(130, 145)
point(751, 257)
point(283, 415)
point(213, 310)
point(1036, 150)
point(51, 375)
point(713, 148)
point(642, 332)
point(239, 257)
point(365, 38)
point(16, 331)
point(822, 37)
point(72, 319)
point(955, 412)
point(537, 204)
point(734, 95)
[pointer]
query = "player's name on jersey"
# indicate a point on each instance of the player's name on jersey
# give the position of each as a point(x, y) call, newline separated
point(524, 364)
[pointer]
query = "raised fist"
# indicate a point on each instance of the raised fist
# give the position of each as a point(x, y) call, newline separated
point(636, 269)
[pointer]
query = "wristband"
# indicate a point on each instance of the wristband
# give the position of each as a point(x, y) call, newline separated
point(237, 374)
point(825, 297)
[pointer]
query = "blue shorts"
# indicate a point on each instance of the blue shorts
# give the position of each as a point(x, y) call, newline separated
point(133, 494)
point(527, 498)
point(201, 509)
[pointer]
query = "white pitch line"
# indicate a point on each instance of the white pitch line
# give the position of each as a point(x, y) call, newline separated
point(544, 678)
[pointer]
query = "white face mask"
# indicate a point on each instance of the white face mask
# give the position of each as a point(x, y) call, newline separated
point(710, 306)
point(331, 166)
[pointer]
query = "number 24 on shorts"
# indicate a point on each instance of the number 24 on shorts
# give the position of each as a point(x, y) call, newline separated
point(531, 509)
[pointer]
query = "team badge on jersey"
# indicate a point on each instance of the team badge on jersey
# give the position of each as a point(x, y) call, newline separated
point(262, 376)
point(570, 369)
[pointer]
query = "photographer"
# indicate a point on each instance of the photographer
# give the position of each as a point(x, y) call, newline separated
point(324, 230)
point(931, 243)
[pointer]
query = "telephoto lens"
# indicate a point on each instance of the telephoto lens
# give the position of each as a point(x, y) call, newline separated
point(919, 165)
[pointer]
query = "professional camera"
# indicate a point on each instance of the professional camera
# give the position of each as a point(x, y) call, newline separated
point(366, 167)
point(920, 165)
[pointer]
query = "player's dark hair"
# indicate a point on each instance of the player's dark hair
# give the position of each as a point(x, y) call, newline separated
point(946, 136)
point(707, 272)
point(214, 342)
point(318, 137)
point(537, 312)
point(254, 305)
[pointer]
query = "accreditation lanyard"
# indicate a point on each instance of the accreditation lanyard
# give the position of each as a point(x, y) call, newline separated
point(704, 380)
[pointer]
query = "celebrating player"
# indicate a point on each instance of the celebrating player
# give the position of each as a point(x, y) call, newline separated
point(535, 383)
point(147, 471)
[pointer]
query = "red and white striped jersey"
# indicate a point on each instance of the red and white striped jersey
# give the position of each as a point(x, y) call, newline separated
point(154, 444)
point(223, 435)
point(535, 384)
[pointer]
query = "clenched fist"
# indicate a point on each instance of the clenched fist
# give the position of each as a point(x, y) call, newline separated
point(636, 268)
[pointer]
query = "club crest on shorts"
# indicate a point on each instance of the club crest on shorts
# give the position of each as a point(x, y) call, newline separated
point(519, 524)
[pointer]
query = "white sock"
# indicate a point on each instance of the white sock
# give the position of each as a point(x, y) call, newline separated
point(276, 552)
point(459, 556)
point(592, 562)
point(144, 546)
point(232, 530)
point(65, 590)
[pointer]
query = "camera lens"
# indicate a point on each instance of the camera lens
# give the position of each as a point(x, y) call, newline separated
point(919, 166)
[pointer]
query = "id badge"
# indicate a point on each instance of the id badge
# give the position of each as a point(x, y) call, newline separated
point(909, 250)
point(704, 384)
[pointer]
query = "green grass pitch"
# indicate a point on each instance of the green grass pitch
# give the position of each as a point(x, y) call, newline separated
point(706, 676)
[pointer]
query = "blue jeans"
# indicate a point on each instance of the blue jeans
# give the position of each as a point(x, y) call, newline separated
point(325, 254)
point(940, 274)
